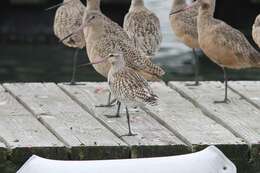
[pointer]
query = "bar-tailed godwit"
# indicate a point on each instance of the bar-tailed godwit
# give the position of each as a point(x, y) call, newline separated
point(127, 86)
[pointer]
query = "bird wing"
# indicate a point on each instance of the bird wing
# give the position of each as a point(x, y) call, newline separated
point(235, 40)
point(129, 84)
point(144, 27)
point(67, 20)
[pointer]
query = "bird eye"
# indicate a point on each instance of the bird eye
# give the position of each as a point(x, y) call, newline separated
point(110, 55)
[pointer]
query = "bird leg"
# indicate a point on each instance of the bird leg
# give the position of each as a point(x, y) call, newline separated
point(196, 60)
point(117, 112)
point(129, 124)
point(110, 102)
point(226, 100)
point(75, 59)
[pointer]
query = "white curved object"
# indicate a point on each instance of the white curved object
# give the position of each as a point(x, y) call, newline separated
point(210, 160)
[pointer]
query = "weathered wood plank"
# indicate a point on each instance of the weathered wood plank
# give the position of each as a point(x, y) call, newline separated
point(152, 140)
point(69, 122)
point(239, 116)
point(249, 90)
point(190, 124)
point(23, 133)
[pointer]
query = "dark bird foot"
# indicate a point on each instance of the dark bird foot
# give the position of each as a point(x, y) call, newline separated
point(226, 101)
point(129, 134)
point(112, 116)
point(73, 83)
point(193, 84)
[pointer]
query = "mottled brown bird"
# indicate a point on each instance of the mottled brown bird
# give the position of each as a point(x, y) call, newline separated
point(143, 27)
point(184, 25)
point(97, 30)
point(256, 31)
point(104, 42)
point(223, 44)
point(67, 19)
point(127, 86)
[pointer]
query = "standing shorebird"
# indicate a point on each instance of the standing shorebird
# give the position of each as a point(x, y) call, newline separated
point(223, 44)
point(68, 18)
point(184, 25)
point(97, 30)
point(143, 27)
point(256, 31)
point(127, 86)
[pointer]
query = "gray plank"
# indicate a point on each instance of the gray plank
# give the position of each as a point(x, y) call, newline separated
point(184, 119)
point(21, 132)
point(69, 122)
point(249, 90)
point(152, 139)
point(239, 116)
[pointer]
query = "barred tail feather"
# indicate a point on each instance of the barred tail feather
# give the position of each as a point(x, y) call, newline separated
point(152, 100)
point(153, 69)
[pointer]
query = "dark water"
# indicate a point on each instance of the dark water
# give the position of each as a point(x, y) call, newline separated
point(52, 63)
point(30, 53)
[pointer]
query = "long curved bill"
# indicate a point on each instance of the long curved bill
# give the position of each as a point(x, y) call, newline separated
point(95, 62)
point(57, 5)
point(73, 33)
point(184, 9)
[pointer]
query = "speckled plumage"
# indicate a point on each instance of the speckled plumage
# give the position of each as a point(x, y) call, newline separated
point(184, 23)
point(111, 26)
point(223, 44)
point(256, 31)
point(105, 42)
point(128, 86)
point(68, 18)
point(143, 26)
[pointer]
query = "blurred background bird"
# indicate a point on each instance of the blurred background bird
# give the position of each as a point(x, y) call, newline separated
point(68, 17)
point(223, 44)
point(143, 26)
point(256, 31)
point(30, 52)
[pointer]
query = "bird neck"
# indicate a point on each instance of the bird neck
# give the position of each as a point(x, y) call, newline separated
point(137, 3)
point(118, 65)
point(93, 5)
point(178, 4)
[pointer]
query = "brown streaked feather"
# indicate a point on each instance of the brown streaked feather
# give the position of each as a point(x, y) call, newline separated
point(143, 27)
point(107, 44)
point(68, 18)
point(234, 46)
point(130, 86)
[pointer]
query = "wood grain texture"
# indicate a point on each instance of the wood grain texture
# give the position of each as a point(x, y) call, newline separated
point(23, 134)
point(191, 125)
point(249, 90)
point(69, 122)
point(152, 140)
point(239, 116)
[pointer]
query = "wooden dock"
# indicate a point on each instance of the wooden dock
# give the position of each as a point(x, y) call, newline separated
point(59, 121)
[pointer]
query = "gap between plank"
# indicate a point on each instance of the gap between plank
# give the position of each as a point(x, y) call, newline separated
point(244, 97)
point(160, 121)
point(39, 119)
point(210, 115)
point(91, 113)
